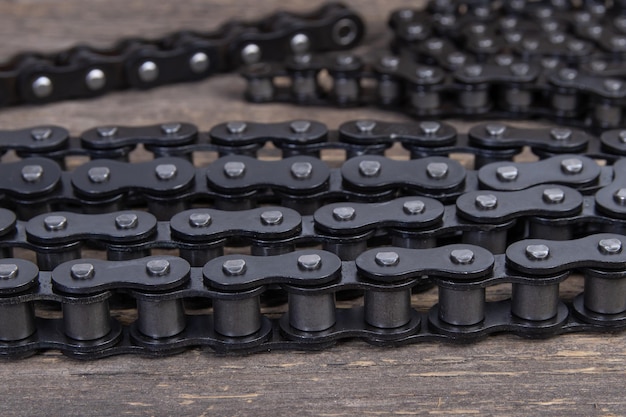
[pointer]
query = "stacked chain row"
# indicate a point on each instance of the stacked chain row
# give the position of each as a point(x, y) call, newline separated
point(493, 59)
point(84, 71)
point(312, 279)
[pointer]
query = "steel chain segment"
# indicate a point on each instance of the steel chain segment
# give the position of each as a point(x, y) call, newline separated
point(488, 142)
point(311, 278)
point(467, 59)
point(83, 71)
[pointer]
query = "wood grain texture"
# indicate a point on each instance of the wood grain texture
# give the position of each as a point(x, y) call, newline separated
point(504, 375)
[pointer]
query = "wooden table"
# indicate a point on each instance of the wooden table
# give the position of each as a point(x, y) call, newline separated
point(569, 375)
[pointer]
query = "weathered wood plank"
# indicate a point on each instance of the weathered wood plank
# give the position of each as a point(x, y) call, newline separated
point(503, 375)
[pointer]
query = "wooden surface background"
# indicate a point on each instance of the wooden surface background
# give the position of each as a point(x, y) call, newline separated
point(504, 375)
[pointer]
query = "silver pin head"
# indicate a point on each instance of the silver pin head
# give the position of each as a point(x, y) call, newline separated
point(437, 170)
point(610, 246)
point(486, 201)
point(41, 133)
point(537, 252)
point(369, 168)
point(126, 221)
point(553, 195)
point(32, 173)
point(495, 129)
point(106, 131)
point(462, 256)
point(310, 262)
point(199, 219)
point(413, 207)
point(620, 196)
point(365, 126)
point(199, 62)
point(271, 217)
point(387, 258)
point(300, 126)
point(171, 128)
point(430, 128)
point(572, 166)
point(55, 222)
point(507, 173)
point(42, 87)
point(165, 171)
point(300, 43)
point(344, 213)
point(158, 267)
point(8, 271)
point(82, 271)
point(98, 175)
point(234, 169)
point(148, 72)
point(559, 133)
point(236, 127)
point(234, 267)
point(301, 170)
point(251, 53)
point(95, 79)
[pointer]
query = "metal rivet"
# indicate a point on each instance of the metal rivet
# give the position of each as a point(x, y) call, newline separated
point(300, 126)
point(430, 128)
point(413, 207)
point(622, 136)
point(620, 197)
point(576, 45)
point(82, 271)
point(390, 62)
point(473, 70)
point(99, 174)
point(456, 58)
point(344, 213)
point(42, 87)
point(495, 129)
point(424, 72)
point(54, 223)
point(106, 131)
point(310, 262)
point(148, 72)
point(365, 126)
point(550, 62)
point(271, 217)
point(171, 128)
point(507, 173)
point(301, 170)
point(32, 173)
point(613, 85)
point(618, 42)
point(462, 256)
point(165, 171)
point(485, 43)
point(344, 60)
point(557, 38)
point(537, 252)
point(95, 79)
point(553, 195)
point(8, 271)
point(369, 168)
point(199, 62)
point(126, 221)
point(520, 69)
point(568, 74)
point(513, 37)
point(478, 28)
point(158, 267)
point(505, 60)
point(486, 201)
point(572, 165)
point(610, 246)
point(42, 133)
point(434, 44)
point(299, 43)
point(234, 169)
point(437, 170)
point(415, 29)
point(234, 267)
point(406, 14)
point(387, 258)
point(251, 53)
point(559, 133)
point(236, 127)
point(199, 219)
